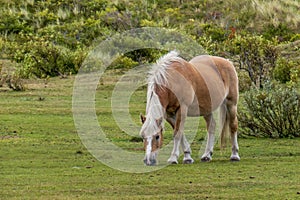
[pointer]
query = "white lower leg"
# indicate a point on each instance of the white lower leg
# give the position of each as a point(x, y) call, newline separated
point(235, 148)
point(178, 133)
point(175, 153)
point(207, 156)
point(187, 151)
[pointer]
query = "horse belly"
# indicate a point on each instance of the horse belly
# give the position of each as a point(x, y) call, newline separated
point(194, 109)
point(204, 106)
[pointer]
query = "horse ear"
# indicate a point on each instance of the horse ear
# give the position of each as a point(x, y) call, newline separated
point(143, 118)
point(159, 121)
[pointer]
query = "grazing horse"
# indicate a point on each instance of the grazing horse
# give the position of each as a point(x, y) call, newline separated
point(177, 89)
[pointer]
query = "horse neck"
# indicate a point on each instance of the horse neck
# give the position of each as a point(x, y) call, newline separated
point(154, 105)
point(154, 111)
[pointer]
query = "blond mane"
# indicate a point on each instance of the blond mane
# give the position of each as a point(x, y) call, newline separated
point(158, 76)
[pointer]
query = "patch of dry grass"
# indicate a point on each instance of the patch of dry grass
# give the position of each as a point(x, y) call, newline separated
point(278, 11)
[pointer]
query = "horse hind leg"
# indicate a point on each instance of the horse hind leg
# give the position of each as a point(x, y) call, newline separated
point(211, 126)
point(233, 126)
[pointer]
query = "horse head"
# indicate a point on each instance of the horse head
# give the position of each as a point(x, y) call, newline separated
point(152, 134)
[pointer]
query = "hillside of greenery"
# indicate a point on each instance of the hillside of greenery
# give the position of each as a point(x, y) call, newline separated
point(49, 38)
point(46, 38)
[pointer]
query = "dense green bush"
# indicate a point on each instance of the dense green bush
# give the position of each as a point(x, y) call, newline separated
point(295, 74)
point(295, 37)
point(41, 58)
point(282, 70)
point(281, 31)
point(215, 32)
point(123, 62)
point(244, 81)
point(273, 111)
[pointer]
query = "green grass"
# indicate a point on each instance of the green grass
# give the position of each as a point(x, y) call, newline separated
point(42, 157)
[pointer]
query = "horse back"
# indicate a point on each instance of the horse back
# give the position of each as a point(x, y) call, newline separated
point(202, 84)
point(218, 71)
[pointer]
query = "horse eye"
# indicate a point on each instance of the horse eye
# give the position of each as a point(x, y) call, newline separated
point(157, 137)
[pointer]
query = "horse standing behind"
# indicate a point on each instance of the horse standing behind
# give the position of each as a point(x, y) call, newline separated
point(177, 89)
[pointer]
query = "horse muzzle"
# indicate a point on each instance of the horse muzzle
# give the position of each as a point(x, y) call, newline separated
point(150, 160)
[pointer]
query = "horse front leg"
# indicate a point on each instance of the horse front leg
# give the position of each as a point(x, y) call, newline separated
point(187, 159)
point(211, 126)
point(178, 134)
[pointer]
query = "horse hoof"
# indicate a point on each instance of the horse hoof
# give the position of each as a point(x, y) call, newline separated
point(235, 159)
point(188, 161)
point(173, 162)
point(205, 159)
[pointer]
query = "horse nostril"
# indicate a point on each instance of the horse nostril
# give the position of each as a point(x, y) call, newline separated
point(157, 137)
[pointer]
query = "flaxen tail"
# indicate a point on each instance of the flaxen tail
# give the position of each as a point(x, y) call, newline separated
point(224, 125)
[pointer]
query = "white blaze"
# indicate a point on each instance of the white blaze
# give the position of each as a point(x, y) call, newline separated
point(148, 148)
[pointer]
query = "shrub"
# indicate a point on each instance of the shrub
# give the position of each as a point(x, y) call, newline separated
point(41, 58)
point(255, 55)
point(123, 62)
point(13, 81)
point(295, 74)
point(295, 37)
point(244, 81)
point(282, 70)
point(281, 31)
point(216, 33)
point(271, 112)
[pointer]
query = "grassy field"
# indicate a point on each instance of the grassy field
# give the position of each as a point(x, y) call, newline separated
point(42, 157)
